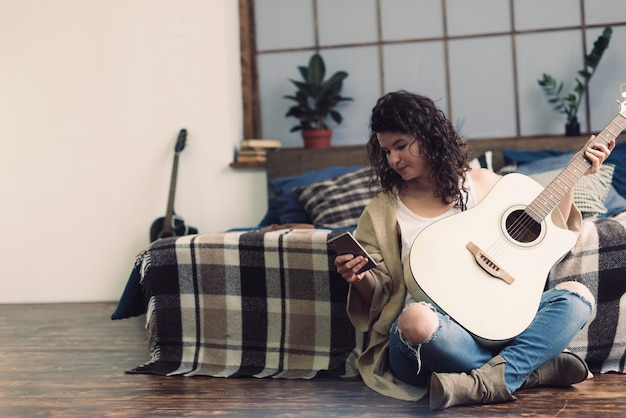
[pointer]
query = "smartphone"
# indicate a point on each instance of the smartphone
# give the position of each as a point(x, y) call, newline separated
point(347, 244)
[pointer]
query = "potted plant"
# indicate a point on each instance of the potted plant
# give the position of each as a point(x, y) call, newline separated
point(568, 104)
point(316, 100)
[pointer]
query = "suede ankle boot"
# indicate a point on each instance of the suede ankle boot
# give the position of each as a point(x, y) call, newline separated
point(481, 386)
point(564, 370)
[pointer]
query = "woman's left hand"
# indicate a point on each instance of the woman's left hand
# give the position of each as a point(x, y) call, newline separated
point(597, 153)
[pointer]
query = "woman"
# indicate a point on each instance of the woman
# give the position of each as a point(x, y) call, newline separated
point(423, 166)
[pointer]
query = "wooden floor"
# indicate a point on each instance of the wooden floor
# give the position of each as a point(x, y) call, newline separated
point(68, 360)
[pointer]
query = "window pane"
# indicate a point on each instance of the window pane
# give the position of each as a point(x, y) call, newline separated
point(417, 67)
point(347, 21)
point(411, 19)
point(535, 56)
point(284, 24)
point(482, 89)
point(605, 11)
point(479, 65)
point(604, 88)
point(466, 17)
point(275, 70)
point(362, 84)
point(542, 14)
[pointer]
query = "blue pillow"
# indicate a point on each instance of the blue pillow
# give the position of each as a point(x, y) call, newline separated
point(271, 216)
point(614, 202)
point(545, 164)
point(525, 157)
point(132, 302)
point(290, 210)
point(618, 158)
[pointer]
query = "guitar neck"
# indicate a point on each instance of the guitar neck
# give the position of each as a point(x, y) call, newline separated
point(167, 223)
point(550, 198)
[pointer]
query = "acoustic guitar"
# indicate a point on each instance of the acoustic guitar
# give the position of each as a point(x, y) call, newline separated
point(486, 267)
point(172, 225)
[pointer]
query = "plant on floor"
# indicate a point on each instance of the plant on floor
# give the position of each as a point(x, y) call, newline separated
point(569, 104)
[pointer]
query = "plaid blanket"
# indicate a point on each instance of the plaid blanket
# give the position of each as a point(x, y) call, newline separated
point(599, 261)
point(272, 304)
point(246, 304)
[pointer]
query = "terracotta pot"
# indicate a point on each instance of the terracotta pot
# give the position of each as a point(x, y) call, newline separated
point(317, 138)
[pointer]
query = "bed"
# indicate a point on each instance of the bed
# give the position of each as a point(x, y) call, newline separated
point(267, 301)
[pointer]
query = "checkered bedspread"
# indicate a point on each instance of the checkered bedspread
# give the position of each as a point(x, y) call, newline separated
point(599, 261)
point(272, 304)
point(246, 304)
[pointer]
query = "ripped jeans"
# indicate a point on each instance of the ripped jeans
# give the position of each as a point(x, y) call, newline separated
point(561, 314)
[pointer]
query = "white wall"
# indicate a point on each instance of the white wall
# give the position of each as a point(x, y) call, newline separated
point(92, 97)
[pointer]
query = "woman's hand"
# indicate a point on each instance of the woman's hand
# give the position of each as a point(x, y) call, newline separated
point(348, 265)
point(597, 154)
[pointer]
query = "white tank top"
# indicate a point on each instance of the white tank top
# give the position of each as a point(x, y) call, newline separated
point(412, 224)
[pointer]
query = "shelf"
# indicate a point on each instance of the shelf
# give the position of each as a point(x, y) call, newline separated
point(256, 164)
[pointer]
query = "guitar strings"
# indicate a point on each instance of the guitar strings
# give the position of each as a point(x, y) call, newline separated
point(521, 229)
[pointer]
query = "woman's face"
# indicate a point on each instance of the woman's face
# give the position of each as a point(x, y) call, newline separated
point(403, 154)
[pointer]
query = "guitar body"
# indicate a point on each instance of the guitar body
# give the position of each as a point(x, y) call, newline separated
point(447, 272)
point(177, 228)
point(486, 267)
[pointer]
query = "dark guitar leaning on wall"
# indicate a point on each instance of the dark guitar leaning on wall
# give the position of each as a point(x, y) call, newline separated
point(172, 225)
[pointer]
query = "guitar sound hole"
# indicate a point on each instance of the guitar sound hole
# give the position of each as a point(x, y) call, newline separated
point(521, 227)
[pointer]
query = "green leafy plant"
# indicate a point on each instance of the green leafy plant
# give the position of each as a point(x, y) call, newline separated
point(316, 99)
point(569, 103)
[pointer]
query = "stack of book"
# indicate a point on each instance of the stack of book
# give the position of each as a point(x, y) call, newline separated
point(255, 150)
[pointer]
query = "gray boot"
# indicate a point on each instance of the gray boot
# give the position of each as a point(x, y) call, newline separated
point(481, 386)
point(564, 370)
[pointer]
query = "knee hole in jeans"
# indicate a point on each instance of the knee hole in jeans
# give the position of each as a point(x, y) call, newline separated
point(418, 322)
point(580, 290)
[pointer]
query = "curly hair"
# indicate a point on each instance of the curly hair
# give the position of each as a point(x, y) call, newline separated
point(441, 146)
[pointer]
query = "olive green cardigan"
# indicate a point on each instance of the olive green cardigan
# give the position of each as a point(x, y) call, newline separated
point(378, 233)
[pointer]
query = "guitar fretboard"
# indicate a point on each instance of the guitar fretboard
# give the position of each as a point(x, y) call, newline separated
point(549, 199)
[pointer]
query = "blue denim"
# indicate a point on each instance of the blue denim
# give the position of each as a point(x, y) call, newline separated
point(561, 314)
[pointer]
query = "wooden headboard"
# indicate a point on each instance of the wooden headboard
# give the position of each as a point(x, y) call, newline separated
point(293, 161)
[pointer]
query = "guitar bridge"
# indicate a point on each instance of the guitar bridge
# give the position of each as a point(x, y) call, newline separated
point(488, 265)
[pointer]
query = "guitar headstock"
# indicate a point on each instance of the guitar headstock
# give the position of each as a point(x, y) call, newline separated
point(180, 143)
